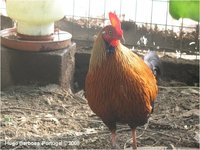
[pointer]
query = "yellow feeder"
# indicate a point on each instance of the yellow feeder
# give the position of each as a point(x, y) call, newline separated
point(35, 17)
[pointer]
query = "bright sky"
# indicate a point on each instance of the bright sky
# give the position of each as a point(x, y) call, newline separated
point(139, 10)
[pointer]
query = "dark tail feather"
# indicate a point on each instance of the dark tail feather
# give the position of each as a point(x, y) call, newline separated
point(153, 61)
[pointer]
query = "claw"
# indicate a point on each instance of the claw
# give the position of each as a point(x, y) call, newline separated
point(116, 146)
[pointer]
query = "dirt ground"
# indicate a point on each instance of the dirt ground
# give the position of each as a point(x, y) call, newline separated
point(51, 117)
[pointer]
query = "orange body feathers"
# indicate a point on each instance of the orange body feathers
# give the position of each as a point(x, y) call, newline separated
point(119, 87)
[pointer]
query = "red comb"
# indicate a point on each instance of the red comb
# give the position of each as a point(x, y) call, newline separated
point(115, 21)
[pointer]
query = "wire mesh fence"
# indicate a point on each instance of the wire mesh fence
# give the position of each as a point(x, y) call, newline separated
point(141, 19)
point(146, 23)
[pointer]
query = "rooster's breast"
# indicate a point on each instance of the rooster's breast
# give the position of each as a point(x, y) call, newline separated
point(117, 90)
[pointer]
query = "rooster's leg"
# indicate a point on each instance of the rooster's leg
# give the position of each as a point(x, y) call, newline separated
point(113, 139)
point(134, 138)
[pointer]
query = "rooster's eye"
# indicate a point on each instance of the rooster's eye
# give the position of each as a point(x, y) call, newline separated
point(110, 32)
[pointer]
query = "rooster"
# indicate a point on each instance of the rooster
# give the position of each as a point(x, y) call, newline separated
point(119, 86)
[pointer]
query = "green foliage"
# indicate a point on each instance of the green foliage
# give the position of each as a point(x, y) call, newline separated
point(184, 9)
